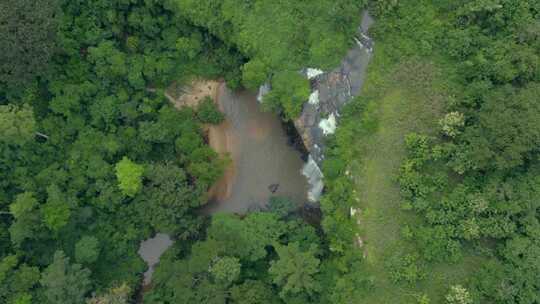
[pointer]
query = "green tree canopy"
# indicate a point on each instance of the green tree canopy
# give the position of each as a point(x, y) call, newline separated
point(290, 90)
point(56, 211)
point(129, 175)
point(87, 250)
point(208, 112)
point(27, 39)
point(253, 292)
point(17, 124)
point(294, 270)
point(64, 282)
point(17, 280)
point(226, 269)
point(247, 238)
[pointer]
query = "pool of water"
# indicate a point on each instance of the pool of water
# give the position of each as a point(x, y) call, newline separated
point(264, 163)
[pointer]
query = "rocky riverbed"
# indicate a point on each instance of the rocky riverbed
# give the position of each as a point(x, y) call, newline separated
point(331, 91)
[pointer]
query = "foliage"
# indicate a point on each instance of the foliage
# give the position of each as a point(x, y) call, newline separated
point(458, 295)
point(226, 269)
point(451, 123)
point(237, 260)
point(278, 36)
point(27, 40)
point(281, 206)
point(87, 250)
point(17, 125)
point(168, 198)
point(83, 74)
point(279, 39)
point(294, 270)
point(115, 295)
point(406, 269)
point(478, 181)
point(116, 163)
point(207, 112)
point(248, 238)
point(64, 282)
point(253, 292)
point(289, 92)
point(56, 211)
point(129, 175)
point(17, 280)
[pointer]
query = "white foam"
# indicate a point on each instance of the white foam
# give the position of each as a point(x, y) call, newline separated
point(315, 179)
point(328, 125)
point(314, 98)
point(360, 44)
point(312, 73)
point(263, 90)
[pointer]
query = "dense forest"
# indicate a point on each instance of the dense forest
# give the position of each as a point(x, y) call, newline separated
point(432, 179)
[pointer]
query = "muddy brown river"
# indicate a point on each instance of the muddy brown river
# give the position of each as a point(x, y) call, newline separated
point(263, 162)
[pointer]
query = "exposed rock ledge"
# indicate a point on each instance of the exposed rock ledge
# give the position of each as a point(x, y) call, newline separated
point(330, 92)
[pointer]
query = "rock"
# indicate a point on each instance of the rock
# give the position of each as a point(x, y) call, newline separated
point(359, 241)
point(273, 188)
point(312, 73)
point(331, 91)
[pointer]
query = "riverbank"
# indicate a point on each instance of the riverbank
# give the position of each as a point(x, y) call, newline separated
point(220, 137)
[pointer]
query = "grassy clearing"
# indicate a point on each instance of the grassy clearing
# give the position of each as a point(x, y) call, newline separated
point(401, 98)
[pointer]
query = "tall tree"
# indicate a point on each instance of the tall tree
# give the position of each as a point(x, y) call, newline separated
point(294, 270)
point(16, 281)
point(28, 220)
point(129, 176)
point(247, 238)
point(226, 269)
point(17, 124)
point(87, 250)
point(56, 210)
point(64, 282)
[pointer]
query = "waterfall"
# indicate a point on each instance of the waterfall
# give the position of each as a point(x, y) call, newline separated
point(328, 125)
point(312, 73)
point(315, 179)
point(263, 90)
point(314, 98)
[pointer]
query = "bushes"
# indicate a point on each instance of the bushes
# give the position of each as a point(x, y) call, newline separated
point(406, 269)
point(241, 257)
point(289, 92)
point(129, 176)
point(207, 112)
